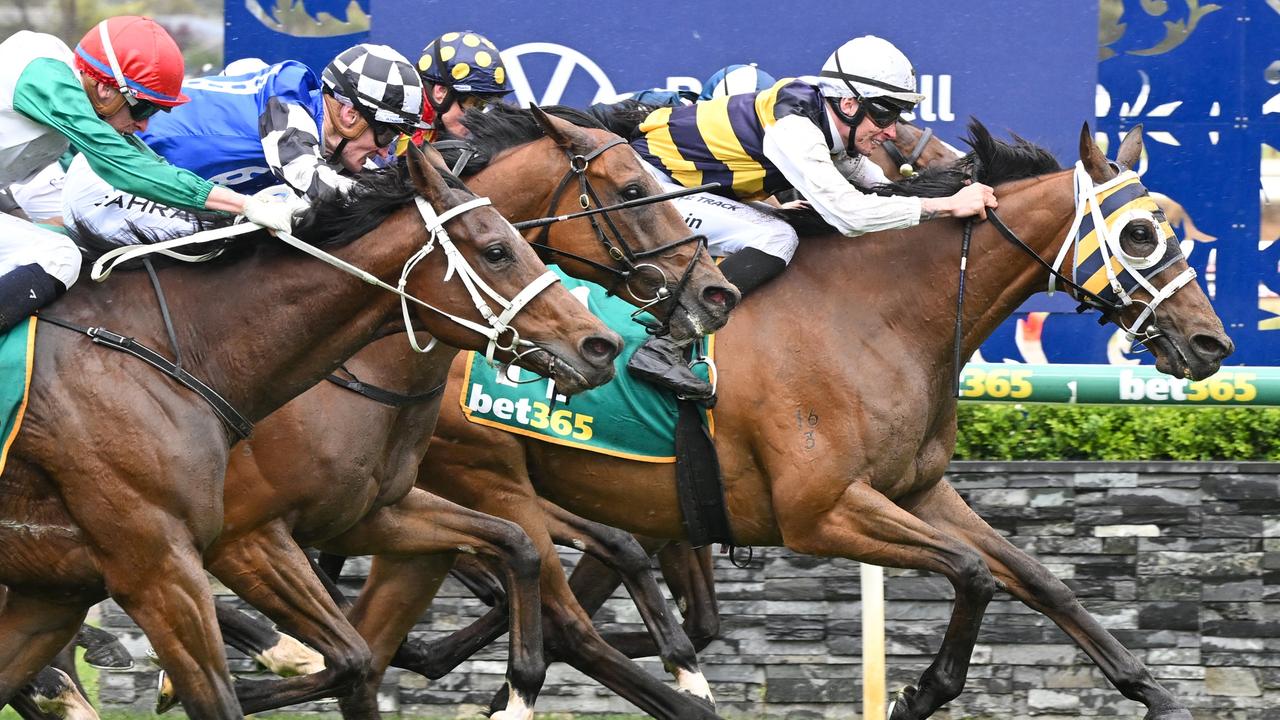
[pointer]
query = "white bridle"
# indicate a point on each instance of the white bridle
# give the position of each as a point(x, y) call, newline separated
point(1107, 230)
point(498, 323)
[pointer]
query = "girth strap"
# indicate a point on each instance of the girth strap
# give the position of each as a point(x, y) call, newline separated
point(382, 396)
point(102, 336)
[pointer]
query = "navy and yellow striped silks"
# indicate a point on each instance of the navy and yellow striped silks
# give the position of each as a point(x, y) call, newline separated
point(721, 140)
point(1117, 202)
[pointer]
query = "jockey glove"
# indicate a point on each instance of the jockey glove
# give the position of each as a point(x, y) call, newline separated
point(271, 213)
point(24, 290)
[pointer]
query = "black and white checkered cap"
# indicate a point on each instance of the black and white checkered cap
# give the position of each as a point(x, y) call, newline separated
point(379, 82)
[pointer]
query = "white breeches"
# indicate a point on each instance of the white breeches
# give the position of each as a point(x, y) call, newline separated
point(731, 225)
point(24, 243)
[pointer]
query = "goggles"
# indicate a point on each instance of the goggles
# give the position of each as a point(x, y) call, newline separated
point(383, 134)
point(141, 110)
point(882, 114)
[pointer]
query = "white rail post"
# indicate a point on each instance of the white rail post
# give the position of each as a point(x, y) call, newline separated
point(873, 666)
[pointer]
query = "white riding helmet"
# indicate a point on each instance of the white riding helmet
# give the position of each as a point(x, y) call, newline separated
point(870, 67)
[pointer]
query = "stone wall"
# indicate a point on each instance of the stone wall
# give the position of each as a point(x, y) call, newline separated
point(1181, 561)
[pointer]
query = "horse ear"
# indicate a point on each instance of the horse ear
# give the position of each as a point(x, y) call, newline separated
point(1130, 148)
point(426, 178)
point(561, 132)
point(1095, 163)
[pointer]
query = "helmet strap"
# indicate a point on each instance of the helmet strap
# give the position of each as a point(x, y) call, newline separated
point(104, 36)
point(333, 117)
point(443, 106)
point(853, 120)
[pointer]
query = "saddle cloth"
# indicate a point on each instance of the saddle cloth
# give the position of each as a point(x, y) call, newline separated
point(625, 418)
point(16, 354)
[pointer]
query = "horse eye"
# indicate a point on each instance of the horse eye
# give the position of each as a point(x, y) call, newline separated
point(1140, 234)
point(632, 192)
point(496, 253)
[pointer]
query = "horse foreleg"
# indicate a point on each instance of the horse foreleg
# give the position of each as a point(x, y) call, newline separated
point(862, 524)
point(1032, 583)
point(279, 653)
point(268, 570)
point(423, 523)
point(689, 574)
point(621, 552)
point(53, 695)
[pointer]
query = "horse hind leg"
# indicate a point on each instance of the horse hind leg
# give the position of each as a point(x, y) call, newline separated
point(865, 525)
point(689, 574)
point(32, 633)
point(623, 554)
point(1032, 583)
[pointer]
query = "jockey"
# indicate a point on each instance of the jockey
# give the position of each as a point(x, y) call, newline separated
point(736, 80)
point(811, 134)
point(122, 73)
point(460, 70)
point(272, 124)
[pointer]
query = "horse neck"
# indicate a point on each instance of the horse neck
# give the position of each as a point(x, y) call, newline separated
point(521, 180)
point(897, 290)
point(264, 329)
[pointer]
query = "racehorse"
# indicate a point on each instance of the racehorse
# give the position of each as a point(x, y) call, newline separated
point(99, 498)
point(913, 149)
point(336, 470)
point(840, 451)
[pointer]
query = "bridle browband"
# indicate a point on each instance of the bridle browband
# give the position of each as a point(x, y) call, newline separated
point(632, 262)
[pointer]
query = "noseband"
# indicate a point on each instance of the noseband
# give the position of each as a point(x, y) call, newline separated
point(632, 263)
point(906, 163)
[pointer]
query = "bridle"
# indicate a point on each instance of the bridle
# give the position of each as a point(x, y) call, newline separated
point(906, 163)
point(633, 264)
point(1102, 212)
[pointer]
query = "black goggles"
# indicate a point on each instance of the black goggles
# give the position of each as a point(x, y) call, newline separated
point(383, 134)
point(141, 110)
point(882, 114)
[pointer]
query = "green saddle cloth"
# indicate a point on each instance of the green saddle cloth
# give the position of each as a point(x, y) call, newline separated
point(625, 418)
point(16, 354)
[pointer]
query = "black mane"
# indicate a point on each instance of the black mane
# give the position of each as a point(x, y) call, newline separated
point(996, 162)
point(500, 127)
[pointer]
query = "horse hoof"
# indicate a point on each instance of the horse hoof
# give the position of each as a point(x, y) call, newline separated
point(103, 650)
point(166, 694)
point(900, 704)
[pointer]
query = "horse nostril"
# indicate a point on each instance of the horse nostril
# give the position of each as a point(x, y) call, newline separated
point(600, 350)
point(1211, 347)
point(719, 296)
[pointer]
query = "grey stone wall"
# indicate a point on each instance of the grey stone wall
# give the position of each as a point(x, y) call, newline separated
point(1181, 561)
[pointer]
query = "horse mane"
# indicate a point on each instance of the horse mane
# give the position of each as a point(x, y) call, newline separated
point(375, 195)
point(500, 127)
point(993, 161)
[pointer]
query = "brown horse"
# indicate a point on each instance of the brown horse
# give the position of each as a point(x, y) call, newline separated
point(336, 470)
point(846, 457)
point(100, 501)
point(610, 559)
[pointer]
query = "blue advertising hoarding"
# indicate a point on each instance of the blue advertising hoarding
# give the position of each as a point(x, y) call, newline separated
point(1199, 76)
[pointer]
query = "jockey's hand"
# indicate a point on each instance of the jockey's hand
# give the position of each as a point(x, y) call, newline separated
point(271, 213)
point(796, 205)
point(971, 200)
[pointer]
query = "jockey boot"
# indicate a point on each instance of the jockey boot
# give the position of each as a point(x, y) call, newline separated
point(24, 290)
point(750, 268)
point(661, 361)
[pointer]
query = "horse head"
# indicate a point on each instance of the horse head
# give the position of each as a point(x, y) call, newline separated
point(1127, 252)
point(504, 292)
point(644, 252)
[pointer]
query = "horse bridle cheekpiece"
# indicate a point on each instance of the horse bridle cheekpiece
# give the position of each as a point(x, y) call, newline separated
point(615, 244)
point(1102, 267)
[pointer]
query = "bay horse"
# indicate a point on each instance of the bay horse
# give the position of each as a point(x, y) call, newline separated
point(846, 456)
point(335, 470)
point(99, 500)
